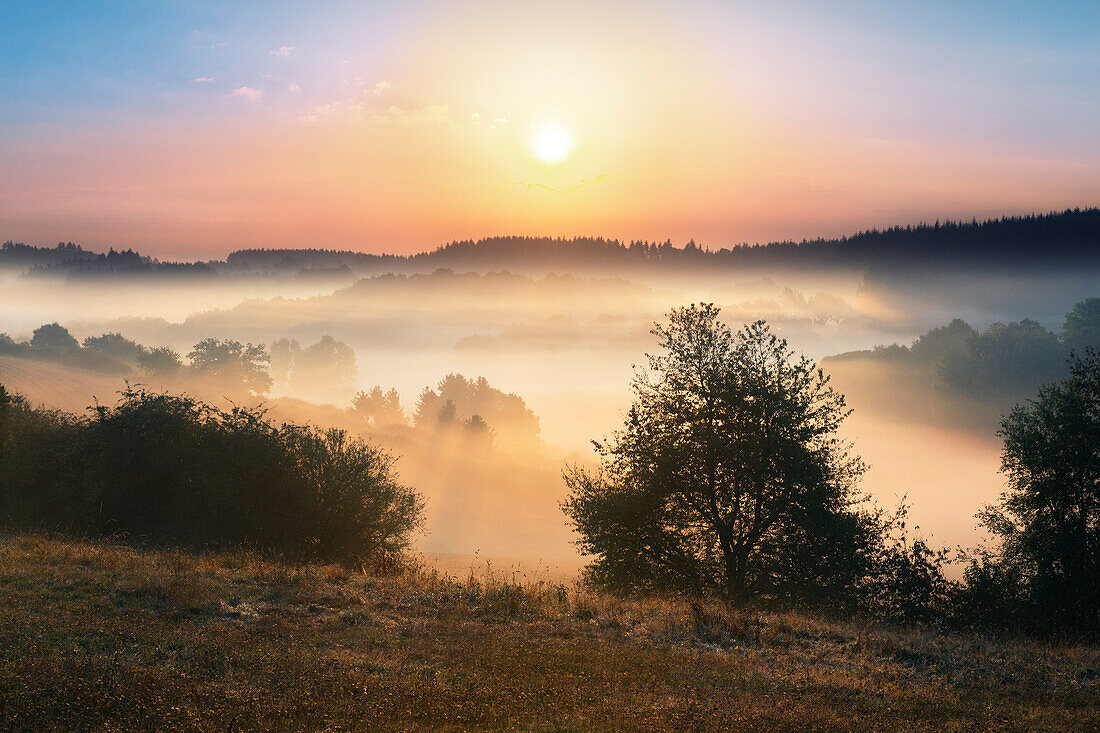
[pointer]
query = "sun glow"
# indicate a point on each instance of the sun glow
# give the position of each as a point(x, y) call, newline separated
point(551, 144)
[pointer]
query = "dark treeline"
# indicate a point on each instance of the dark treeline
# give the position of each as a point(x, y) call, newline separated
point(1057, 240)
point(69, 260)
point(171, 469)
point(1068, 238)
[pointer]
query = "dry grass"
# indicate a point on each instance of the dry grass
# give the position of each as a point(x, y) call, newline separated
point(98, 636)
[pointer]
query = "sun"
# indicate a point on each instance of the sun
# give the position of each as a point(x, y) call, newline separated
point(551, 144)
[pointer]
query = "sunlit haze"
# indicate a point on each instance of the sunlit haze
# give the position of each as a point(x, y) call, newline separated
point(191, 130)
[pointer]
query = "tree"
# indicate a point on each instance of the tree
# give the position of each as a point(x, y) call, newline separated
point(53, 338)
point(1082, 326)
point(459, 398)
point(160, 361)
point(283, 353)
point(727, 474)
point(232, 365)
point(1006, 359)
point(378, 408)
point(114, 345)
point(1048, 519)
point(325, 367)
point(935, 345)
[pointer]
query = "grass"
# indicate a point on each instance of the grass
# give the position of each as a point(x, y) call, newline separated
point(101, 636)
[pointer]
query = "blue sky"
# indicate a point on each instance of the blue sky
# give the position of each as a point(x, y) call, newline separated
point(1004, 95)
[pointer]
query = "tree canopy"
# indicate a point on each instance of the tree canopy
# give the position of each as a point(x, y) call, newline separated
point(1048, 520)
point(727, 475)
point(232, 364)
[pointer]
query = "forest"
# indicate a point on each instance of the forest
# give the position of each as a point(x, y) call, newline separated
point(1056, 240)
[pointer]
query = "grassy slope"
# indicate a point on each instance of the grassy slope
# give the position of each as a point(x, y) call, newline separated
point(96, 636)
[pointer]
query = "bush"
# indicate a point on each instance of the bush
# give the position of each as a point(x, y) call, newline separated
point(171, 469)
point(907, 582)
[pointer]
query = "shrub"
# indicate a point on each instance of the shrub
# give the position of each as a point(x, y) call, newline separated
point(171, 469)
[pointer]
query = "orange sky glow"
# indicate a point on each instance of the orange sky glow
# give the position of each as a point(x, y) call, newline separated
point(724, 136)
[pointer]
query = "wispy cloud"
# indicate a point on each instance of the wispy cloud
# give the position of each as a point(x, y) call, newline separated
point(283, 51)
point(358, 104)
point(292, 87)
point(201, 80)
point(252, 95)
point(401, 115)
point(494, 124)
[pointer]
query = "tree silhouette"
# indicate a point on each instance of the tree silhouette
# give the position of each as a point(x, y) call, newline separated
point(1005, 359)
point(160, 361)
point(457, 398)
point(727, 474)
point(232, 365)
point(1082, 326)
point(53, 338)
point(378, 408)
point(1048, 520)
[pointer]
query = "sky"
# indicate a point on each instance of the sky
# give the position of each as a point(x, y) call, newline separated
point(189, 129)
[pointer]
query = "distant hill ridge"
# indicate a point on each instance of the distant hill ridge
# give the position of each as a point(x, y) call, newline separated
point(1066, 239)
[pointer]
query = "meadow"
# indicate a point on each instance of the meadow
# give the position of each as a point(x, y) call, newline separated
point(100, 635)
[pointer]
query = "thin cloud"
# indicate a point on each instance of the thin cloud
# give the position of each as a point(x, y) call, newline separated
point(283, 51)
point(252, 95)
point(292, 87)
point(401, 115)
point(358, 104)
point(201, 80)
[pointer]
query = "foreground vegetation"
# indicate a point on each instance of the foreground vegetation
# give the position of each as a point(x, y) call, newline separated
point(173, 470)
point(101, 636)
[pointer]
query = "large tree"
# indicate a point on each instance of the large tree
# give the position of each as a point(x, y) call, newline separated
point(1048, 519)
point(727, 475)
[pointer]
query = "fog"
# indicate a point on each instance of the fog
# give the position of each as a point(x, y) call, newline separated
point(566, 345)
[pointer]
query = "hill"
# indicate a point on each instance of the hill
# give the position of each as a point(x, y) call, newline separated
point(101, 636)
point(58, 386)
point(1058, 241)
point(1069, 238)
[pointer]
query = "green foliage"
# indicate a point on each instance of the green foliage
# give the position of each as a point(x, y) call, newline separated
point(1082, 326)
point(171, 469)
point(30, 443)
point(116, 346)
point(160, 361)
point(948, 341)
point(10, 346)
point(727, 476)
point(52, 338)
point(907, 581)
point(1006, 359)
point(1048, 520)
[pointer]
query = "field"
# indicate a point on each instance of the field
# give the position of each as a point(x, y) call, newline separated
point(102, 636)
